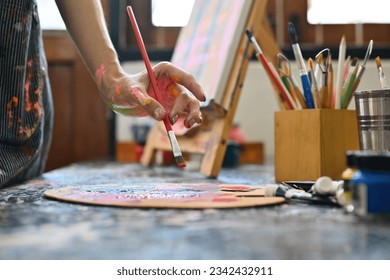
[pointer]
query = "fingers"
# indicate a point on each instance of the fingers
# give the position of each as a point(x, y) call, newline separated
point(181, 77)
point(186, 107)
point(174, 85)
point(148, 104)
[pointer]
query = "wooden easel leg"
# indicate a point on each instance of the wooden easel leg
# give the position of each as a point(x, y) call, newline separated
point(215, 149)
point(216, 145)
point(213, 143)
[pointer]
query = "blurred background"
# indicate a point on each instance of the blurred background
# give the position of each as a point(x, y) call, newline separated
point(86, 130)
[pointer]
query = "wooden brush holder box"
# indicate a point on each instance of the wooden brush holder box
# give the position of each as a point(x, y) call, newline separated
point(312, 143)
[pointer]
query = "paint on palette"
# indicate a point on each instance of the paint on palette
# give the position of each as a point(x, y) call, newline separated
point(165, 195)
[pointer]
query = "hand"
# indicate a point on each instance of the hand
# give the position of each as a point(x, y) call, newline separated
point(133, 95)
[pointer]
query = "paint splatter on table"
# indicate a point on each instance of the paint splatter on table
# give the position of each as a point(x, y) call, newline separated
point(34, 227)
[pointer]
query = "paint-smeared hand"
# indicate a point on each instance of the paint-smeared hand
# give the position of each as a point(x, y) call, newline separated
point(133, 95)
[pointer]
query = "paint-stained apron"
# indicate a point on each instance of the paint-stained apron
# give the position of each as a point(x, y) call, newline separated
point(26, 109)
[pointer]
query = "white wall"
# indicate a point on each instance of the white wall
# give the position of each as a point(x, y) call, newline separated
point(257, 105)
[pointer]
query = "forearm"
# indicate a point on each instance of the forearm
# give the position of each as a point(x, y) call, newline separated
point(86, 25)
point(124, 93)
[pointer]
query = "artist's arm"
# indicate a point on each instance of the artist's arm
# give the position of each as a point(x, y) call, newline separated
point(124, 93)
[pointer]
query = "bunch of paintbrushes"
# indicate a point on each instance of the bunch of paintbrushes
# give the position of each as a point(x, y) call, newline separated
point(321, 87)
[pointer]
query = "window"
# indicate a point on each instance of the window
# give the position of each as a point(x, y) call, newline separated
point(171, 12)
point(348, 11)
point(49, 15)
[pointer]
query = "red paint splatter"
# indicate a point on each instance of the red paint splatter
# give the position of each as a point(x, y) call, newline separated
point(38, 108)
point(224, 194)
point(167, 90)
point(12, 103)
point(99, 74)
point(235, 188)
point(140, 96)
point(28, 104)
point(118, 90)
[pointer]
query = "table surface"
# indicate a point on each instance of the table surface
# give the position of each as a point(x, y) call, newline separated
point(34, 227)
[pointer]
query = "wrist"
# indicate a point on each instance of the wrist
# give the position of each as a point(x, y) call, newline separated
point(108, 74)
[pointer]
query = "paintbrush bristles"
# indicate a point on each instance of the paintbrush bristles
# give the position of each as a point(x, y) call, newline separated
point(340, 71)
point(378, 62)
point(381, 74)
point(310, 63)
point(176, 150)
point(249, 34)
point(354, 61)
point(314, 86)
point(292, 33)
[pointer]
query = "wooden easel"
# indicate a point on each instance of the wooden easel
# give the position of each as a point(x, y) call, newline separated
point(210, 139)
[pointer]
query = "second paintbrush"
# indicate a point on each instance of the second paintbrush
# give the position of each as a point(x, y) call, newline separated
point(302, 68)
point(290, 105)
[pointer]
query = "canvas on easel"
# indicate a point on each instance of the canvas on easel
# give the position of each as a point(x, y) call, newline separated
point(206, 48)
point(213, 47)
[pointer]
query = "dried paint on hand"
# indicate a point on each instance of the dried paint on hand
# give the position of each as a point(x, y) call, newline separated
point(99, 75)
point(144, 101)
point(169, 91)
point(118, 90)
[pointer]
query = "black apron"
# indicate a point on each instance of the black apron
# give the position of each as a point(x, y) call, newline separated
point(26, 108)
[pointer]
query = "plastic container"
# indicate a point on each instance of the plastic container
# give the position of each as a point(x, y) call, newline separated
point(370, 184)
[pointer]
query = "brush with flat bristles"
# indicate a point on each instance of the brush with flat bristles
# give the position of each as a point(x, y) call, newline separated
point(301, 66)
point(381, 74)
point(314, 86)
point(171, 135)
point(362, 66)
point(340, 71)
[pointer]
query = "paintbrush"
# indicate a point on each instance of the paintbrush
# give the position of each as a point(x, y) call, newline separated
point(381, 74)
point(287, 79)
point(171, 135)
point(340, 71)
point(286, 83)
point(314, 86)
point(362, 66)
point(347, 64)
point(331, 95)
point(347, 90)
point(317, 70)
point(301, 66)
point(272, 73)
point(322, 63)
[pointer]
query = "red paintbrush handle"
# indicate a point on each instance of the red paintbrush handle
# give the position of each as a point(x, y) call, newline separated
point(148, 66)
point(275, 80)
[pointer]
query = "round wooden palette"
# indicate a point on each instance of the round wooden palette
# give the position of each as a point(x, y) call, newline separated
point(166, 195)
